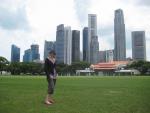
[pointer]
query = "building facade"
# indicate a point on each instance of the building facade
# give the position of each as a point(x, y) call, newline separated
point(138, 45)
point(27, 57)
point(109, 55)
point(119, 36)
point(94, 50)
point(85, 44)
point(35, 52)
point(60, 43)
point(92, 33)
point(15, 53)
point(75, 45)
point(106, 56)
point(48, 46)
point(102, 56)
point(68, 46)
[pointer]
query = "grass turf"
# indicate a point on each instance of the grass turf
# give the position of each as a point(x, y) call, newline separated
point(25, 94)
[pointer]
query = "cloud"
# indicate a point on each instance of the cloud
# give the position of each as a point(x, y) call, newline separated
point(13, 16)
point(106, 37)
point(82, 9)
point(144, 2)
point(104, 44)
point(105, 30)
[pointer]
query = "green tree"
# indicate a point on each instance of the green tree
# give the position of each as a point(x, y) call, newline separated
point(61, 68)
point(71, 69)
point(15, 68)
point(142, 66)
point(3, 64)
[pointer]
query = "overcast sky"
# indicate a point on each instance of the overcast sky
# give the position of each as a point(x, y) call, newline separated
point(26, 22)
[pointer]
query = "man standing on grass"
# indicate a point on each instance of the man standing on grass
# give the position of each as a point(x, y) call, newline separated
point(50, 70)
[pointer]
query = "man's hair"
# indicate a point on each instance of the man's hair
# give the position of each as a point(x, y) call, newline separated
point(52, 52)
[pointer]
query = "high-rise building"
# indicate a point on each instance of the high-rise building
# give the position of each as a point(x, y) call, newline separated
point(138, 45)
point(27, 57)
point(119, 36)
point(68, 46)
point(48, 46)
point(35, 52)
point(60, 40)
point(106, 56)
point(94, 50)
point(15, 53)
point(109, 55)
point(92, 33)
point(102, 56)
point(85, 44)
point(75, 45)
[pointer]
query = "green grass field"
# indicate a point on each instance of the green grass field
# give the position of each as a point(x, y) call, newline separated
point(25, 94)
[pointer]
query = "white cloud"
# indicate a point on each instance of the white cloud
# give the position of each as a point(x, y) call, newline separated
point(104, 44)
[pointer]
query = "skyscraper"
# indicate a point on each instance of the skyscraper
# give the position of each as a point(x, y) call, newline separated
point(94, 50)
point(92, 38)
point(68, 46)
point(138, 45)
point(119, 36)
point(75, 45)
point(35, 52)
point(60, 40)
point(102, 56)
point(27, 57)
point(85, 44)
point(106, 56)
point(109, 55)
point(48, 46)
point(15, 53)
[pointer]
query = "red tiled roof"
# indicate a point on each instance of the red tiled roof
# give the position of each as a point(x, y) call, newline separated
point(108, 65)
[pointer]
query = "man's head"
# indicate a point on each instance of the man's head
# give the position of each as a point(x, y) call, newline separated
point(52, 54)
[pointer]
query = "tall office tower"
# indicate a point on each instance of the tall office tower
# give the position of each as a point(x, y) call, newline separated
point(81, 56)
point(106, 56)
point(15, 53)
point(138, 45)
point(109, 55)
point(85, 44)
point(27, 57)
point(35, 52)
point(60, 40)
point(94, 50)
point(119, 36)
point(75, 46)
point(48, 46)
point(102, 56)
point(92, 33)
point(68, 46)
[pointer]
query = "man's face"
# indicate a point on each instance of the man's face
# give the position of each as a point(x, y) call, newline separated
point(52, 55)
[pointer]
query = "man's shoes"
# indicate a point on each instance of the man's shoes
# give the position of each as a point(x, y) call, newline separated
point(51, 101)
point(48, 103)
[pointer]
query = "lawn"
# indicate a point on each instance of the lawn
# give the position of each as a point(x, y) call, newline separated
point(25, 94)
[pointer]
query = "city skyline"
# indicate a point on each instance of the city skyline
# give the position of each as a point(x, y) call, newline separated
point(26, 22)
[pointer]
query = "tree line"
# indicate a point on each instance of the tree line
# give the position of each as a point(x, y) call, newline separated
point(32, 68)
